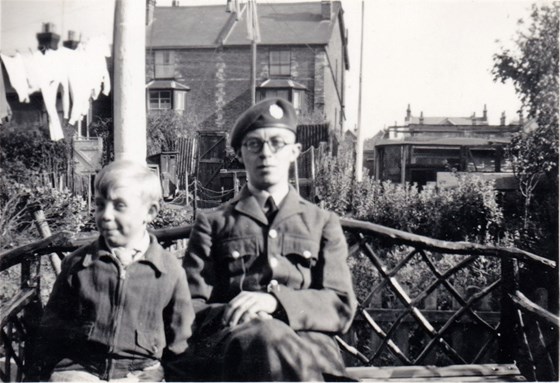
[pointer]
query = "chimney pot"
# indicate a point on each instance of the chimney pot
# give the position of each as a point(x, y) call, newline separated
point(47, 39)
point(150, 5)
point(73, 40)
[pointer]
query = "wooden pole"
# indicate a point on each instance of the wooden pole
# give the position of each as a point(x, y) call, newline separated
point(253, 72)
point(130, 77)
point(360, 139)
point(45, 232)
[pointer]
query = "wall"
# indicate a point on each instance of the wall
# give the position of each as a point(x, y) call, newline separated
point(333, 77)
point(219, 79)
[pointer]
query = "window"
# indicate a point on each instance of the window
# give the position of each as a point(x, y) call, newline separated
point(280, 62)
point(295, 96)
point(160, 100)
point(164, 64)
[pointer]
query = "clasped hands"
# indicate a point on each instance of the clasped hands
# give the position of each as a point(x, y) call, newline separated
point(248, 305)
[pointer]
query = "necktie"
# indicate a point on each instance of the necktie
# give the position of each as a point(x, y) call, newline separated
point(270, 209)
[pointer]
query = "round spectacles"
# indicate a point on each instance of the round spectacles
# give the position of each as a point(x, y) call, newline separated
point(255, 145)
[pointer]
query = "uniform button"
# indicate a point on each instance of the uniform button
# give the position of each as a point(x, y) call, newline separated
point(307, 254)
point(235, 254)
point(273, 233)
point(273, 286)
point(273, 262)
point(155, 349)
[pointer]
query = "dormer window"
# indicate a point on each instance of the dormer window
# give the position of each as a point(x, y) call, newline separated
point(166, 95)
point(286, 89)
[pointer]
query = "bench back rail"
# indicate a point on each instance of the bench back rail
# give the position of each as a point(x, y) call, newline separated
point(421, 302)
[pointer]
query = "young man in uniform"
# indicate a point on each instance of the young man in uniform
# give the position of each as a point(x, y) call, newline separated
point(267, 270)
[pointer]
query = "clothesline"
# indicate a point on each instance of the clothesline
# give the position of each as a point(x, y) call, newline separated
point(80, 73)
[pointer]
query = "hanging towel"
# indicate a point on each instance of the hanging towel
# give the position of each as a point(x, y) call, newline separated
point(18, 77)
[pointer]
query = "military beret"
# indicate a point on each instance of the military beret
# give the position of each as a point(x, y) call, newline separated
point(269, 113)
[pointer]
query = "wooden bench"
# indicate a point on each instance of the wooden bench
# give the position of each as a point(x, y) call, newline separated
point(429, 309)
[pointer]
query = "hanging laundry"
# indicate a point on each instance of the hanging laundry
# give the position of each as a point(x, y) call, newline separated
point(5, 110)
point(79, 75)
point(18, 77)
point(47, 73)
point(88, 76)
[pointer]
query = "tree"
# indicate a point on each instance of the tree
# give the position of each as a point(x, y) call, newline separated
point(165, 127)
point(533, 69)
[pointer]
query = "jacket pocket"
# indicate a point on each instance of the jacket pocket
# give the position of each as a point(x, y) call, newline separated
point(303, 254)
point(149, 342)
point(239, 253)
point(82, 331)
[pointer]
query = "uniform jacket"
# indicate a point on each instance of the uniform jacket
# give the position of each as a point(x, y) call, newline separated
point(132, 314)
point(300, 257)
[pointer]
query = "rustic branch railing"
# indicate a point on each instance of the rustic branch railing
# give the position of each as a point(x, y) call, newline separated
point(422, 302)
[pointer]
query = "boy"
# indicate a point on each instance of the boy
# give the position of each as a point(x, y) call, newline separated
point(121, 305)
point(267, 271)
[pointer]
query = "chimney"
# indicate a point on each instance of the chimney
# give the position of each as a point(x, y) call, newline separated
point(150, 6)
point(408, 114)
point(73, 40)
point(47, 38)
point(473, 118)
point(175, 3)
point(422, 118)
point(503, 119)
point(326, 9)
point(521, 121)
point(485, 113)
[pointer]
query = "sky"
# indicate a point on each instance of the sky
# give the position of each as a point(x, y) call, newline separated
point(434, 55)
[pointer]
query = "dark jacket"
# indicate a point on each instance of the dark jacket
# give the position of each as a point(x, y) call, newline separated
point(300, 257)
point(105, 318)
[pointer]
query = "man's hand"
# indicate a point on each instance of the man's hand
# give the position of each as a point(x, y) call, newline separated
point(248, 305)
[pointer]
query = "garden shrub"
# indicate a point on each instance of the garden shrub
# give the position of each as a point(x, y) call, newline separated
point(63, 211)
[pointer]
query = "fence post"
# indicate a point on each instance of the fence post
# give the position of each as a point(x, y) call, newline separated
point(507, 341)
point(32, 313)
point(45, 232)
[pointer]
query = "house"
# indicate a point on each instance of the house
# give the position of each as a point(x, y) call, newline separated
point(199, 62)
point(425, 150)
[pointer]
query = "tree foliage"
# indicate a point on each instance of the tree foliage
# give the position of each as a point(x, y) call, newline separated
point(533, 69)
point(165, 127)
point(27, 154)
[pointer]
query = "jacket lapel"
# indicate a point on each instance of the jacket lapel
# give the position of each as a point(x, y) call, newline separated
point(247, 204)
point(290, 205)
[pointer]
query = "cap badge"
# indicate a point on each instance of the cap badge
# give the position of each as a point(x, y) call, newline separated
point(276, 111)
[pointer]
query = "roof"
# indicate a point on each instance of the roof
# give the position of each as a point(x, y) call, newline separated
point(281, 83)
point(209, 26)
point(447, 141)
point(166, 84)
point(448, 120)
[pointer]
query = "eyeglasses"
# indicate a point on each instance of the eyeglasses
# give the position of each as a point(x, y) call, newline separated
point(255, 145)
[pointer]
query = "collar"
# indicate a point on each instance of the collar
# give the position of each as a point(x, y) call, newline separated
point(262, 195)
point(152, 255)
point(247, 203)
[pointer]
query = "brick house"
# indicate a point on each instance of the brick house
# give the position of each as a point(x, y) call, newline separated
point(426, 150)
point(200, 59)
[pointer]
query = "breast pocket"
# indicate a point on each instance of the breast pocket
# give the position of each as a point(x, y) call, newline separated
point(237, 254)
point(303, 254)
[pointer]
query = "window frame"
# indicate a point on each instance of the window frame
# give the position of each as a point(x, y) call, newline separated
point(278, 64)
point(159, 92)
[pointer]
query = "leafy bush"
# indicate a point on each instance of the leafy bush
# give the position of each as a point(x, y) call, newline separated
point(172, 216)
point(469, 211)
point(63, 211)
